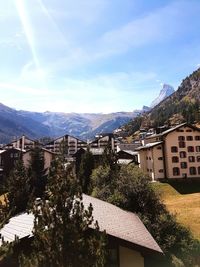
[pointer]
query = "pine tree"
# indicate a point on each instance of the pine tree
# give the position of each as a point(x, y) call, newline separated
point(18, 187)
point(85, 171)
point(109, 158)
point(38, 177)
point(62, 234)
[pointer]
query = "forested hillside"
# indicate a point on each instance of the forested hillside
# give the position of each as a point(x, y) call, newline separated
point(183, 105)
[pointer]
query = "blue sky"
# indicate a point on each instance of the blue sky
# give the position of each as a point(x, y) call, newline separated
point(94, 55)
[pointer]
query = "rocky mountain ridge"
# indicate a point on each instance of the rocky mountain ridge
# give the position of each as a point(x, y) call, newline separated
point(183, 105)
point(165, 92)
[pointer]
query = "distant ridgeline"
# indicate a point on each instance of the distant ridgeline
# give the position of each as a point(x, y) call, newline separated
point(183, 105)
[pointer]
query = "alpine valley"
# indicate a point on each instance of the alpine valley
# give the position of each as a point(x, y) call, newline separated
point(14, 123)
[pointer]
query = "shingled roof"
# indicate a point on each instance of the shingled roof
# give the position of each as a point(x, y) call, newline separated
point(117, 223)
point(121, 224)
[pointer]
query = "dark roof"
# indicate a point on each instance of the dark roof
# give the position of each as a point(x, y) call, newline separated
point(128, 152)
point(66, 135)
point(102, 135)
point(117, 223)
point(44, 149)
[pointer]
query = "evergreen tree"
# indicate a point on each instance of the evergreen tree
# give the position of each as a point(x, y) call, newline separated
point(62, 234)
point(38, 177)
point(18, 187)
point(109, 157)
point(85, 170)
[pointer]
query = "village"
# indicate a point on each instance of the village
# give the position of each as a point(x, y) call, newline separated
point(161, 153)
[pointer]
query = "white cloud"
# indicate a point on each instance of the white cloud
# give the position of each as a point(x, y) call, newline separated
point(102, 93)
point(162, 25)
point(159, 26)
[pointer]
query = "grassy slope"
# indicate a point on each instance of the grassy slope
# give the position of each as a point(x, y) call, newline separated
point(185, 206)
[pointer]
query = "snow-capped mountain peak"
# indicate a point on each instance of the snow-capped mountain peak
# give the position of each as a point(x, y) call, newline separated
point(166, 91)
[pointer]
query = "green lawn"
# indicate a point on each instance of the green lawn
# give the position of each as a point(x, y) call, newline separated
point(185, 205)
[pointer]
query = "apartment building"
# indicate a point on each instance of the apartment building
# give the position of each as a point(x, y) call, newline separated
point(48, 156)
point(174, 153)
point(68, 144)
point(103, 140)
point(8, 159)
point(23, 143)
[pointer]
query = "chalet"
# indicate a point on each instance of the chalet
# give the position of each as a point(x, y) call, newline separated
point(174, 153)
point(8, 159)
point(104, 140)
point(127, 156)
point(23, 143)
point(47, 154)
point(128, 146)
point(67, 144)
point(129, 242)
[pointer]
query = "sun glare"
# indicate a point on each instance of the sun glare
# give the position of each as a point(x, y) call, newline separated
point(51, 21)
point(20, 5)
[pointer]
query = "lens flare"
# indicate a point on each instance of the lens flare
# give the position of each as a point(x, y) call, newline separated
point(20, 5)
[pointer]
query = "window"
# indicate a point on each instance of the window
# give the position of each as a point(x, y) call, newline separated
point(11, 155)
point(161, 170)
point(181, 144)
point(198, 158)
point(193, 171)
point(191, 159)
point(159, 147)
point(175, 159)
point(146, 158)
point(181, 138)
point(16, 155)
point(183, 154)
point(197, 148)
point(189, 138)
point(183, 165)
point(160, 158)
point(197, 137)
point(174, 149)
point(190, 149)
point(189, 130)
point(198, 170)
point(179, 130)
point(147, 170)
point(176, 171)
point(149, 158)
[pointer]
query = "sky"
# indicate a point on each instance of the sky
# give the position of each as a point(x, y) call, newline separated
point(94, 55)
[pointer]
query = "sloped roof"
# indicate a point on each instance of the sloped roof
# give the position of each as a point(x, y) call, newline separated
point(149, 145)
point(173, 129)
point(117, 223)
point(130, 152)
point(63, 137)
point(120, 223)
point(20, 225)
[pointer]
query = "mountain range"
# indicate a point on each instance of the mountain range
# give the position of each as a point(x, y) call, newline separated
point(14, 123)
